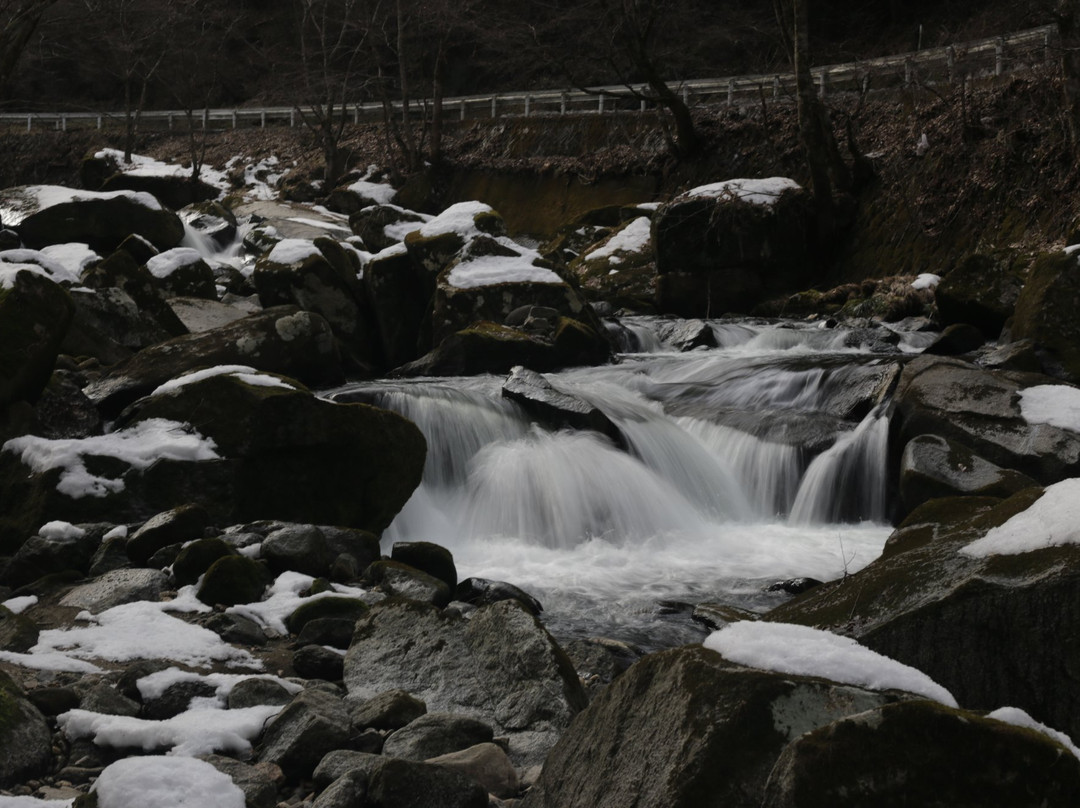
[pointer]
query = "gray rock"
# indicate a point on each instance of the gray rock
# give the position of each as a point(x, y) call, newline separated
point(104, 698)
point(486, 764)
point(500, 667)
point(300, 548)
point(956, 339)
point(404, 783)
point(255, 691)
point(395, 578)
point(435, 734)
point(348, 791)
point(482, 592)
point(176, 699)
point(342, 761)
point(24, 736)
point(257, 785)
point(117, 587)
point(1046, 313)
point(333, 631)
point(110, 555)
point(555, 408)
point(922, 753)
point(932, 466)
point(317, 662)
point(390, 710)
point(687, 729)
point(177, 525)
point(237, 628)
point(18, 633)
point(313, 724)
point(686, 335)
point(40, 555)
point(427, 557)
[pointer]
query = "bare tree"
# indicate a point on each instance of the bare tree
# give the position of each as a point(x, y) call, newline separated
point(1067, 16)
point(18, 21)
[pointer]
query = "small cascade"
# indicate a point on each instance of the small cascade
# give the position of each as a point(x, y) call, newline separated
point(213, 252)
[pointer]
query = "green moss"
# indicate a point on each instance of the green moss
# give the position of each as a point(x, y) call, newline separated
point(197, 557)
point(339, 607)
point(234, 579)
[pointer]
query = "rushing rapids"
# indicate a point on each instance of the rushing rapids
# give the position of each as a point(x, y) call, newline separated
point(761, 459)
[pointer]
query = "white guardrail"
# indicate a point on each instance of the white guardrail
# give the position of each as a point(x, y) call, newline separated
point(948, 65)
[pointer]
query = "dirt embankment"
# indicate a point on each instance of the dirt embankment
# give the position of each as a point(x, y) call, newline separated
point(997, 172)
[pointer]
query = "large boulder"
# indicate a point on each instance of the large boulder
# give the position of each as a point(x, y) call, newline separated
point(981, 290)
point(500, 666)
point(279, 340)
point(182, 272)
point(555, 408)
point(1001, 629)
point(727, 246)
point(1048, 312)
point(172, 190)
point(922, 753)
point(34, 316)
point(123, 272)
point(982, 410)
point(400, 305)
point(24, 736)
point(313, 724)
point(621, 268)
point(380, 226)
point(51, 214)
point(687, 729)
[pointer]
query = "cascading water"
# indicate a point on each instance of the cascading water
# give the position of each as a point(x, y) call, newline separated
point(759, 460)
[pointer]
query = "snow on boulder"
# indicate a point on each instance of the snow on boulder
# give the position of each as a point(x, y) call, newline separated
point(1046, 312)
point(34, 316)
point(39, 262)
point(183, 272)
point(621, 268)
point(52, 214)
point(726, 246)
point(1052, 521)
point(165, 782)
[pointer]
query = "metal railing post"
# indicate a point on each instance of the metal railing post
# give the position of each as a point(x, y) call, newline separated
point(528, 99)
point(494, 107)
point(999, 57)
point(562, 104)
point(600, 104)
point(730, 92)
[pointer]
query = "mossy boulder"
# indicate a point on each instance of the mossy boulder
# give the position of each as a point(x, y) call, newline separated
point(174, 191)
point(234, 579)
point(300, 548)
point(121, 271)
point(24, 736)
point(195, 559)
point(281, 340)
point(401, 580)
point(380, 226)
point(180, 524)
point(923, 753)
point(997, 630)
point(182, 272)
point(981, 290)
point(289, 455)
point(34, 318)
point(400, 306)
point(687, 729)
point(49, 214)
point(726, 247)
point(428, 557)
point(18, 633)
point(322, 608)
point(1048, 312)
point(621, 268)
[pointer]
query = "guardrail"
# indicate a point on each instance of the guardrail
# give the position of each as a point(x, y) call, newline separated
point(947, 65)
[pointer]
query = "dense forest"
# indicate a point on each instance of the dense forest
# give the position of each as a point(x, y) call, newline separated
point(115, 54)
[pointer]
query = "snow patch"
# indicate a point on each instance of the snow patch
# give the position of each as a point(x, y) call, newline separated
point(1019, 718)
point(459, 218)
point(292, 251)
point(926, 280)
point(154, 685)
point(492, 269)
point(166, 782)
point(1054, 404)
point(633, 238)
point(1051, 521)
point(60, 530)
point(762, 192)
point(805, 651)
point(20, 604)
point(248, 375)
point(165, 264)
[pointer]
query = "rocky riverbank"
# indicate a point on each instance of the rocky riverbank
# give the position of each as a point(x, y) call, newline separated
point(193, 580)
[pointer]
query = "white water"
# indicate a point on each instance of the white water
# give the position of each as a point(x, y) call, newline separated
point(693, 511)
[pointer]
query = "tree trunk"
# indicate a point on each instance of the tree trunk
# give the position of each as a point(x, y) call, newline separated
point(16, 34)
point(1068, 23)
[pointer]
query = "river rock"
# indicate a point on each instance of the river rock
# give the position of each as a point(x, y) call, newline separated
point(390, 710)
point(435, 734)
point(173, 190)
point(979, 408)
point(24, 736)
point(381, 226)
point(196, 557)
point(181, 524)
point(257, 784)
point(50, 214)
point(482, 592)
point(255, 691)
point(395, 578)
point(121, 271)
point(347, 791)
point(34, 316)
point(620, 268)
point(18, 633)
point(427, 557)
point(686, 729)
point(555, 408)
point(932, 466)
point(997, 630)
point(980, 290)
point(956, 340)
point(317, 662)
point(301, 548)
point(342, 761)
point(280, 340)
point(322, 608)
point(726, 247)
point(923, 753)
point(57, 551)
point(400, 303)
point(500, 667)
point(182, 272)
point(313, 724)
point(486, 764)
point(1048, 312)
point(403, 783)
point(233, 579)
point(116, 587)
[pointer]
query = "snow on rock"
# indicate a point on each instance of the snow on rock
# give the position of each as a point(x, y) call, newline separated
point(1054, 404)
point(325, 225)
point(20, 604)
point(248, 375)
point(39, 197)
point(1019, 718)
point(139, 446)
point(166, 782)
point(143, 166)
point(292, 251)
point(459, 218)
point(199, 731)
point(154, 685)
point(491, 269)
point(60, 530)
point(763, 192)
point(804, 651)
point(926, 280)
point(144, 630)
point(632, 239)
point(165, 264)
point(34, 802)
point(283, 598)
point(49, 661)
point(377, 192)
point(1053, 520)
point(39, 262)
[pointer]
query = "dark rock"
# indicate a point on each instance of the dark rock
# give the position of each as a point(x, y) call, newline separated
point(391, 710)
point(255, 691)
point(922, 753)
point(24, 736)
point(237, 629)
point(280, 340)
point(402, 783)
point(955, 340)
point(686, 335)
point(115, 588)
point(111, 555)
point(342, 761)
point(687, 729)
point(395, 578)
point(301, 548)
point(1048, 312)
point(39, 556)
point(195, 559)
point(500, 666)
point(105, 699)
point(381, 226)
point(52, 701)
point(182, 272)
point(435, 734)
point(18, 633)
point(333, 631)
point(714, 616)
point(400, 304)
point(599, 661)
point(182, 524)
point(347, 791)
point(981, 290)
point(794, 586)
point(234, 579)
point(258, 787)
point(173, 190)
point(128, 682)
point(313, 724)
point(485, 764)
point(482, 592)
point(992, 630)
point(932, 467)
point(62, 411)
point(361, 545)
point(34, 317)
point(329, 607)
point(555, 408)
point(317, 662)
point(1020, 355)
point(427, 557)
point(620, 268)
point(176, 699)
point(102, 221)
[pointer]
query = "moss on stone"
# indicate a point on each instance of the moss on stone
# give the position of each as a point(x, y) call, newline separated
point(234, 579)
point(194, 559)
point(338, 607)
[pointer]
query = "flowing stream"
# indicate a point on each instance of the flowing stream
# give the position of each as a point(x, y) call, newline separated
point(745, 464)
